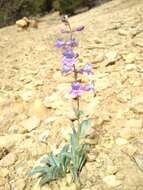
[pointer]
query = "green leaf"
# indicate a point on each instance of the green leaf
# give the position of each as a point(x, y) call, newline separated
point(83, 126)
point(55, 161)
point(78, 113)
point(65, 157)
point(82, 156)
point(39, 169)
point(74, 172)
point(45, 160)
point(44, 179)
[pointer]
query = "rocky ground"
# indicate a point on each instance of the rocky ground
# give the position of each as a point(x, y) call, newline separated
point(35, 105)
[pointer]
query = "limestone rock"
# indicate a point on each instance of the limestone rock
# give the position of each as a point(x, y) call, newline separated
point(112, 56)
point(8, 160)
point(130, 57)
point(111, 181)
point(26, 95)
point(4, 172)
point(132, 128)
point(30, 123)
point(19, 184)
point(123, 32)
point(6, 142)
point(120, 141)
point(138, 108)
point(38, 109)
point(21, 23)
point(139, 160)
point(130, 67)
point(44, 136)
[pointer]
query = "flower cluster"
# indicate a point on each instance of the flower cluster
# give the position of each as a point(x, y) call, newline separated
point(70, 60)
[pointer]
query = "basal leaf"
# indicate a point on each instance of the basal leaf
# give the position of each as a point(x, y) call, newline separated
point(55, 160)
point(83, 126)
point(39, 169)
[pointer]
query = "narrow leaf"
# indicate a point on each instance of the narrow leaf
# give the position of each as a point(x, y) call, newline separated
point(83, 126)
point(38, 169)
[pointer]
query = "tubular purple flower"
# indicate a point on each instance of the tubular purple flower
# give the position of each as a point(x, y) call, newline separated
point(72, 42)
point(79, 28)
point(66, 68)
point(88, 87)
point(68, 53)
point(86, 69)
point(59, 43)
point(76, 89)
point(69, 61)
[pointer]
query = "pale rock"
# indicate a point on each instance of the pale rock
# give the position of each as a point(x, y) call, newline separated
point(15, 129)
point(129, 150)
point(137, 108)
point(139, 160)
point(123, 32)
point(97, 122)
point(3, 152)
point(68, 178)
point(26, 95)
point(4, 172)
point(44, 136)
point(54, 101)
point(112, 56)
point(2, 181)
point(19, 184)
point(139, 43)
point(8, 160)
point(50, 120)
point(38, 109)
point(111, 169)
point(6, 186)
point(45, 187)
point(108, 141)
point(90, 109)
point(65, 131)
point(63, 186)
point(38, 83)
point(22, 167)
point(130, 67)
point(90, 132)
point(112, 181)
point(130, 57)
point(30, 123)
point(7, 142)
point(124, 96)
point(102, 84)
point(132, 128)
point(120, 141)
point(21, 23)
point(98, 59)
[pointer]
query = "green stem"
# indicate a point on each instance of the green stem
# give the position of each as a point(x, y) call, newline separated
point(75, 79)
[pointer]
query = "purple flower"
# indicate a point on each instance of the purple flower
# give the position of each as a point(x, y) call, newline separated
point(88, 87)
point(76, 89)
point(72, 42)
point(79, 28)
point(68, 53)
point(59, 43)
point(66, 68)
point(86, 69)
point(69, 61)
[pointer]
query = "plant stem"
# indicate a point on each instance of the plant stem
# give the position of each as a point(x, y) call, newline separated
point(76, 80)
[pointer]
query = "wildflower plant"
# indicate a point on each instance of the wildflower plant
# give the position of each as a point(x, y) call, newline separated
point(73, 156)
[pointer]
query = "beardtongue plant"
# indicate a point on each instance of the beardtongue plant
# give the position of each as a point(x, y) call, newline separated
point(73, 156)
